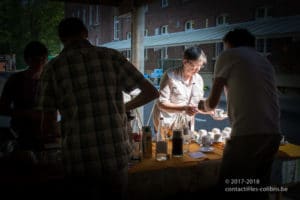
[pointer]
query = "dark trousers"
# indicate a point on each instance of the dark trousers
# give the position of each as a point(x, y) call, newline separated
point(112, 185)
point(246, 166)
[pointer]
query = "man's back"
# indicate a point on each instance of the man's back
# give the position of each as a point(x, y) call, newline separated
point(252, 95)
point(88, 84)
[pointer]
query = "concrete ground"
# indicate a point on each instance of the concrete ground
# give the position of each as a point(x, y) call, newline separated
point(290, 117)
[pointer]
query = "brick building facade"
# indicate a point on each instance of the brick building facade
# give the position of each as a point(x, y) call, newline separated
point(107, 24)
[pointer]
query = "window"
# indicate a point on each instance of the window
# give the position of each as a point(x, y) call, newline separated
point(260, 45)
point(189, 25)
point(97, 15)
point(164, 29)
point(128, 54)
point(219, 48)
point(164, 3)
point(164, 53)
point(84, 16)
point(156, 31)
point(128, 35)
point(262, 12)
point(222, 19)
point(263, 45)
point(97, 41)
point(146, 32)
point(90, 15)
point(146, 54)
point(78, 13)
point(206, 23)
point(116, 28)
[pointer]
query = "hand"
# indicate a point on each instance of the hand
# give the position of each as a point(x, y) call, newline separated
point(201, 105)
point(191, 110)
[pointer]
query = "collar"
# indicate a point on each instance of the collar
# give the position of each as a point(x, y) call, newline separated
point(176, 74)
point(76, 44)
point(192, 81)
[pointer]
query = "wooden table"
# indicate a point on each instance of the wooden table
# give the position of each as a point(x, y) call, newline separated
point(151, 179)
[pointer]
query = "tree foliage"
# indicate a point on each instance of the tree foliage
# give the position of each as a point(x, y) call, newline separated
point(22, 21)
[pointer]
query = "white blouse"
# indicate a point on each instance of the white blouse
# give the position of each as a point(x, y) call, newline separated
point(175, 90)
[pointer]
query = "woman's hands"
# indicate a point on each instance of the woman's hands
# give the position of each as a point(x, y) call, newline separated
point(191, 110)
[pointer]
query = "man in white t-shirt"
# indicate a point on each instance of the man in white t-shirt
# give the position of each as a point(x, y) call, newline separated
point(253, 109)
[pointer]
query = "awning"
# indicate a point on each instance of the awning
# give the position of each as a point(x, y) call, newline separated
point(269, 27)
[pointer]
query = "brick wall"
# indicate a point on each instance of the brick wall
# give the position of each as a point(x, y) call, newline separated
point(202, 12)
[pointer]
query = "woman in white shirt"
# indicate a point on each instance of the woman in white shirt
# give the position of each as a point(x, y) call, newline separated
point(181, 89)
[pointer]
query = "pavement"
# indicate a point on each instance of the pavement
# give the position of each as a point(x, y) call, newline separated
point(290, 117)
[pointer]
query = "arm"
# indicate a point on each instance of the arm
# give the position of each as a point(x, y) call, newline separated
point(171, 107)
point(147, 94)
point(214, 97)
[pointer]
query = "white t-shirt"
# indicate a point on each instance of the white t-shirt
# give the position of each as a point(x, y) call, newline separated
point(178, 92)
point(251, 91)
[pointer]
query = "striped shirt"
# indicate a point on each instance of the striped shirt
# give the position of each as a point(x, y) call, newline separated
point(85, 83)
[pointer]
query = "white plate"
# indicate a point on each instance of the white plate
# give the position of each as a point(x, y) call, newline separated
point(224, 116)
point(206, 149)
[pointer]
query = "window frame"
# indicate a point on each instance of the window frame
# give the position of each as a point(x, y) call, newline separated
point(224, 19)
point(265, 46)
point(266, 12)
point(116, 28)
point(164, 3)
point(192, 24)
point(164, 29)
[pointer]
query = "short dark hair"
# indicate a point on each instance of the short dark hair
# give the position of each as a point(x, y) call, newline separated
point(35, 50)
point(192, 53)
point(239, 37)
point(71, 26)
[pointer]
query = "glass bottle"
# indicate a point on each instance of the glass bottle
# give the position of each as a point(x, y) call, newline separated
point(177, 143)
point(161, 143)
point(147, 142)
point(186, 136)
point(136, 141)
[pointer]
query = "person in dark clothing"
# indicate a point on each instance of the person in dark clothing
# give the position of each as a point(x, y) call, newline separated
point(23, 168)
point(86, 84)
point(18, 101)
